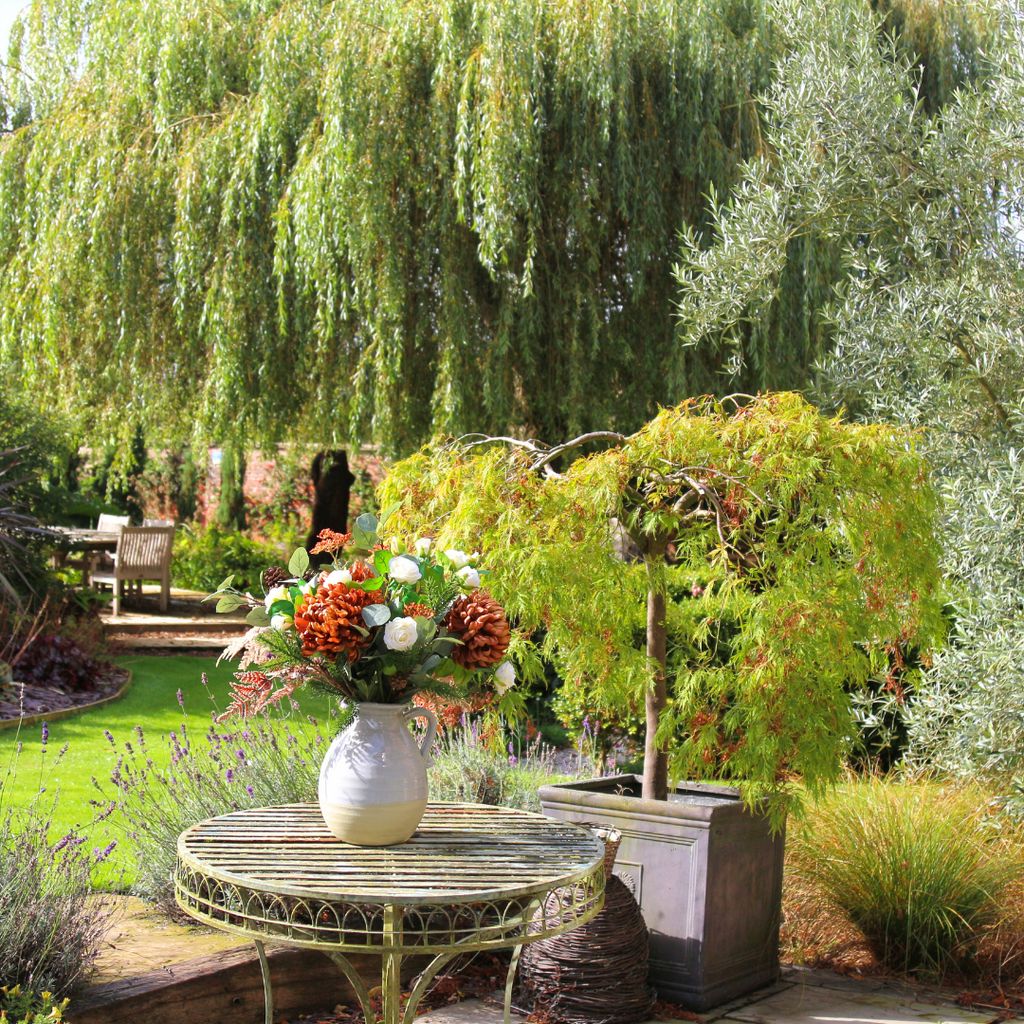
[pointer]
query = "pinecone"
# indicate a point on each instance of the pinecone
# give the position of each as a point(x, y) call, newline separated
point(329, 621)
point(274, 576)
point(479, 622)
point(414, 608)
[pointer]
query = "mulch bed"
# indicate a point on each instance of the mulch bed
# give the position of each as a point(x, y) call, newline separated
point(42, 700)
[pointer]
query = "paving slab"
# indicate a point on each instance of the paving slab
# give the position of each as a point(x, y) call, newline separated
point(801, 1004)
point(469, 1011)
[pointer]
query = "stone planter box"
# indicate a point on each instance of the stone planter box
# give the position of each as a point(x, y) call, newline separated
point(707, 875)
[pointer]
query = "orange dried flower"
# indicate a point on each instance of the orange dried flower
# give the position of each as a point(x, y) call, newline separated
point(330, 622)
point(328, 542)
point(414, 608)
point(361, 571)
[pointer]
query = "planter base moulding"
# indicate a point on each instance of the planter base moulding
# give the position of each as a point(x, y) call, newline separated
point(707, 874)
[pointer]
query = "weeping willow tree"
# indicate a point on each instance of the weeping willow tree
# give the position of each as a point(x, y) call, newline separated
point(259, 219)
point(248, 220)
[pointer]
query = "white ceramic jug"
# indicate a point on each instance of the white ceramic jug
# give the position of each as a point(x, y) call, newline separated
point(373, 782)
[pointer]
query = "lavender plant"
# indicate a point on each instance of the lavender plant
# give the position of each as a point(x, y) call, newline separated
point(50, 928)
point(468, 769)
point(209, 773)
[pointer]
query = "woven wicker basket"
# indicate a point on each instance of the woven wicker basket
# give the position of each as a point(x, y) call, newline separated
point(597, 973)
point(611, 837)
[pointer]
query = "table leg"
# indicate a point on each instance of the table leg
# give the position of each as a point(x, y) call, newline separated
point(439, 961)
point(391, 966)
point(530, 909)
point(357, 984)
point(268, 995)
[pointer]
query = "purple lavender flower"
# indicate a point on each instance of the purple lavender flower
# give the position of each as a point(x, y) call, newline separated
point(248, 790)
point(46, 734)
point(102, 855)
point(109, 735)
point(240, 754)
point(229, 776)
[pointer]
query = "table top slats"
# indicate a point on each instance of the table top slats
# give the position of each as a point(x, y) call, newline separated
point(460, 851)
point(471, 877)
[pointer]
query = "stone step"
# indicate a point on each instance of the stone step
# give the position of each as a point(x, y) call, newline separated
point(211, 641)
point(139, 623)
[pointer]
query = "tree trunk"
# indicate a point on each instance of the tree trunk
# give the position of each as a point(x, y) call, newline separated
point(655, 785)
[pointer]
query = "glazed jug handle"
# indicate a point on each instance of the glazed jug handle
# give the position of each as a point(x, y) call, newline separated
point(428, 740)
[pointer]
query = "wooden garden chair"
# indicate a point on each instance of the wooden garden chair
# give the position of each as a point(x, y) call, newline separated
point(143, 553)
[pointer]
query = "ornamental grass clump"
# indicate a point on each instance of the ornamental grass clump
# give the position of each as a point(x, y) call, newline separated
point(210, 773)
point(50, 928)
point(918, 869)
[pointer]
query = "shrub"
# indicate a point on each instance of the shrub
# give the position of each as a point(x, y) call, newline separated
point(50, 929)
point(203, 558)
point(917, 868)
point(57, 661)
point(18, 1007)
point(466, 769)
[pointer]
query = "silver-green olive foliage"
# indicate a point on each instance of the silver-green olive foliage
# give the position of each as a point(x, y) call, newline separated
point(804, 563)
point(923, 201)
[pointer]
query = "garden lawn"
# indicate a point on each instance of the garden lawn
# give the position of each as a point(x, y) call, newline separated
point(152, 704)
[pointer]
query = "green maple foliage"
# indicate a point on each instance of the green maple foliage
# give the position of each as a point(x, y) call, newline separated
point(813, 539)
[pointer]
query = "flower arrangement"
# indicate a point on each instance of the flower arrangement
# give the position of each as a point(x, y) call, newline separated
point(380, 623)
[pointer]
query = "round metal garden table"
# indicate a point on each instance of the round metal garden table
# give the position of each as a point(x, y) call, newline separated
point(470, 878)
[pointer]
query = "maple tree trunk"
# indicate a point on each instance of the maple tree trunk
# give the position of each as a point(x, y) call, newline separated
point(655, 784)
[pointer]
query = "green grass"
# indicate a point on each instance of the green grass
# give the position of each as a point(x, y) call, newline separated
point(151, 703)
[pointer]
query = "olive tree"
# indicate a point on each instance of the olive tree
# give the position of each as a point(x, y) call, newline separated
point(919, 187)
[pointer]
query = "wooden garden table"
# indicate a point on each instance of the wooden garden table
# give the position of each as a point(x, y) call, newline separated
point(471, 878)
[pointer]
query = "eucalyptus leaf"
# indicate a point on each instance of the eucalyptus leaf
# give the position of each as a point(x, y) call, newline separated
point(258, 617)
point(367, 522)
point(376, 614)
point(361, 540)
point(389, 512)
point(298, 563)
point(230, 602)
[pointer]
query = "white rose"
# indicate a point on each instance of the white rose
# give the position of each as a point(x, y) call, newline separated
point(458, 558)
point(282, 622)
point(279, 593)
point(405, 570)
point(422, 546)
point(310, 587)
point(400, 634)
point(469, 576)
point(339, 576)
point(505, 678)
